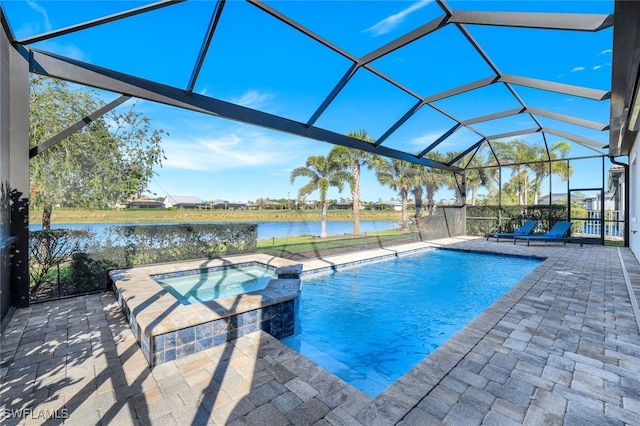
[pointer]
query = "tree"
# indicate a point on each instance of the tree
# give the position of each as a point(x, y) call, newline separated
point(518, 153)
point(441, 178)
point(558, 150)
point(434, 179)
point(322, 173)
point(354, 159)
point(110, 159)
point(476, 174)
point(418, 174)
point(396, 175)
point(532, 158)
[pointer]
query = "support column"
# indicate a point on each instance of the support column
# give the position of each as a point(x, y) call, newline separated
point(500, 229)
point(568, 194)
point(602, 211)
point(550, 215)
point(5, 212)
point(463, 197)
point(14, 166)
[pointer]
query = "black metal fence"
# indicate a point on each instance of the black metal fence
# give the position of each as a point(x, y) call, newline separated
point(66, 262)
point(485, 219)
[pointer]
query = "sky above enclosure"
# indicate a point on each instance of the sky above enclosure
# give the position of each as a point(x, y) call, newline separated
point(257, 61)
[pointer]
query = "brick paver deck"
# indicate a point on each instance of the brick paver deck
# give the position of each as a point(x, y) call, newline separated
point(561, 347)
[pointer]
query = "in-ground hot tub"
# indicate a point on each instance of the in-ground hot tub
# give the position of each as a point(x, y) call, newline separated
point(202, 285)
point(168, 329)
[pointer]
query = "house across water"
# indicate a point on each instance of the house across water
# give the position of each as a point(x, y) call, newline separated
point(182, 202)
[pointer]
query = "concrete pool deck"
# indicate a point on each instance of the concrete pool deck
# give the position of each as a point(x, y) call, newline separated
point(561, 347)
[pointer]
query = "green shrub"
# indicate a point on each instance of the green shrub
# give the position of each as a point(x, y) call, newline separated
point(48, 249)
point(86, 260)
point(88, 274)
point(512, 217)
point(167, 243)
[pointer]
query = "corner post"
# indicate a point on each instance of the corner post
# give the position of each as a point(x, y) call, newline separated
point(14, 166)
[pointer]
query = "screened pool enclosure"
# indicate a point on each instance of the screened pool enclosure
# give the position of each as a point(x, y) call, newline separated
point(455, 76)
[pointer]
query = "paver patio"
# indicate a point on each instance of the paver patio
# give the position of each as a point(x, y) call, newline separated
point(561, 347)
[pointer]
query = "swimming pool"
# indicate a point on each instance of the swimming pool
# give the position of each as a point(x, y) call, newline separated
point(204, 285)
point(371, 323)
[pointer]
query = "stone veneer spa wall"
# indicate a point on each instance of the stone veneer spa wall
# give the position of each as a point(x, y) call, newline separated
point(167, 329)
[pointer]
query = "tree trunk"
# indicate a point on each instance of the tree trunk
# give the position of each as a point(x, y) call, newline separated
point(460, 188)
point(323, 221)
point(520, 195)
point(417, 195)
point(430, 202)
point(405, 215)
point(47, 209)
point(355, 195)
point(536, 187)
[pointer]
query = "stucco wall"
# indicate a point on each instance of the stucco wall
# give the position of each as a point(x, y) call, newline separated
point(5, 232)
point(14, 176)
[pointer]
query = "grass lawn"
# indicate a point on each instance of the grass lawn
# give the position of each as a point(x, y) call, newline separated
point(307, 246)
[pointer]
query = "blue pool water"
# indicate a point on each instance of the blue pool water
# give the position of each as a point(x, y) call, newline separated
point(208, 285)
point(372, 323)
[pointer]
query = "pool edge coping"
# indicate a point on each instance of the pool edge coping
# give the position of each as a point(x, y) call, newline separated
point(427, 373)
point(457, 346)
point(148, 300)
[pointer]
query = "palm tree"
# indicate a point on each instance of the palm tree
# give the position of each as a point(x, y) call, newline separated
point(418, 174)
point(476, 174)
point(452, 180)
point(517, 153)
point(434, 179)
point(396, 175)
point(558, 150)
point(354, 159)
point(322, 174)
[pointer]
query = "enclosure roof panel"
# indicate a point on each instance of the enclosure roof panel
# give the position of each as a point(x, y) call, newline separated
point(418, 76)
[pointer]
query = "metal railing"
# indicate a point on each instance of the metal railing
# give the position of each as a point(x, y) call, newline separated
point(613, 223)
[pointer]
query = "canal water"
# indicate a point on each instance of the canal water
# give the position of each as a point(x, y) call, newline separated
point(265, 229)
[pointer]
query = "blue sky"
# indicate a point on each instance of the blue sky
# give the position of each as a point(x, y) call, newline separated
point(258, 62)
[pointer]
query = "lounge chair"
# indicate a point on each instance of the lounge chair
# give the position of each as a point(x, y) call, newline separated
point(525, 229)
point(558, 232)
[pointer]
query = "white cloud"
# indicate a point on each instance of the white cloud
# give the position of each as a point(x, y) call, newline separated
point(576, 69)
point(253, 99)
point(286, 172)
point(605, 52)
point(453, 142)
point(427, 139)
point(597, 67)
point(35, 6)
point(389, 23)
point(232, 150)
